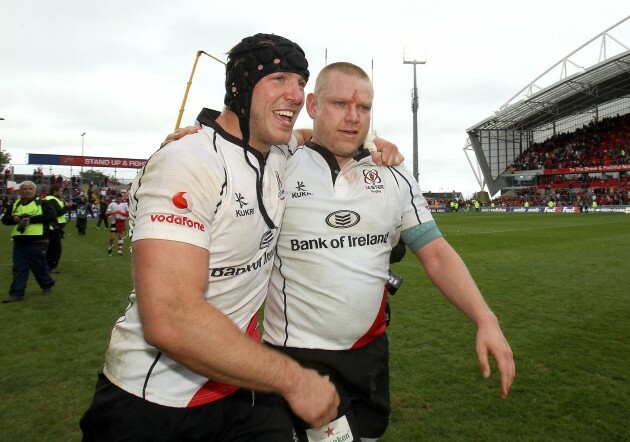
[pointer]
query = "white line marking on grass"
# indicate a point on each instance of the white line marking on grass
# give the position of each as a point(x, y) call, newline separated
point(530, 228)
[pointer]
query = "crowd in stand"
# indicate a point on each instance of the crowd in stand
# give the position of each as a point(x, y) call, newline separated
point(531, 198)
point(73, 191)
point(74, 182)
point(534, 197)
point(564, 199)
point(603, 196)
point(602, 143)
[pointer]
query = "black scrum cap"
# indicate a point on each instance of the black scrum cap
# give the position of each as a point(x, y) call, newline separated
point(252, 59)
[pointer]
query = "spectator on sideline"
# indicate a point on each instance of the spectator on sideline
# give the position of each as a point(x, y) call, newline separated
point(94, 208)
point(30, 217)
point(102, 209)
point(69, 204)
point(5, 202)
point(56, 228)
point(205, 217)
point(83, 210)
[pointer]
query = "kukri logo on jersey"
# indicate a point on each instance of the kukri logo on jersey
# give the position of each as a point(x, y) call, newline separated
point(300, 190)
point(242, 211)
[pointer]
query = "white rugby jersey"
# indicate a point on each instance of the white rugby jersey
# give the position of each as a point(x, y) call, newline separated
point(119, 209)
point(202, 190)
point(338, 233)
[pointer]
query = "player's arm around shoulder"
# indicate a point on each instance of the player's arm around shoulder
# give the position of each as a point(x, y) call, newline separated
point(383, 152)
point(193, 155)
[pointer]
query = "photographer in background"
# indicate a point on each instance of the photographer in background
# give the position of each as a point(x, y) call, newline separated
point(30, 217)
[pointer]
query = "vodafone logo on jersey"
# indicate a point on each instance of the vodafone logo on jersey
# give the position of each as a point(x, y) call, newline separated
point(183, 221)
point(183, 202)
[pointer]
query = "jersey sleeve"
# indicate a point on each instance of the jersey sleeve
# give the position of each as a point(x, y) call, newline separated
point(420, 235)
point(415, 208)
point(178, 193)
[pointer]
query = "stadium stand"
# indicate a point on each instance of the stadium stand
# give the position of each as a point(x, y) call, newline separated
point(568, 142)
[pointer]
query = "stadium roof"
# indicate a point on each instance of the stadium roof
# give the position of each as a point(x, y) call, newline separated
point(599, 90)
point(601, 83)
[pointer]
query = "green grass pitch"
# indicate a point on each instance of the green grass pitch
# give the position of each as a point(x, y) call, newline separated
point(559, 283)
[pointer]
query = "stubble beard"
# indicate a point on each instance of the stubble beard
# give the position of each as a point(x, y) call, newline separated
point(265, 137)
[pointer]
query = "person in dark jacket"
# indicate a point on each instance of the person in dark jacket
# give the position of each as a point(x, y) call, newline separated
point(30, 217)
point(83, 210)
point(55, 235)
point(102, 218)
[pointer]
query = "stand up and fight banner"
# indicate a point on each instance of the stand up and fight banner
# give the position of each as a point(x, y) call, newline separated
point(73, 160)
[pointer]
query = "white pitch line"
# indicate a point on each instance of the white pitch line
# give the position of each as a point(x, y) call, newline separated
point(528, 229)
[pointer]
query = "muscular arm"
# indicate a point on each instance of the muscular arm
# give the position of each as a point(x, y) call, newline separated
point(387, 152)
point(170, 279)
point(449, 274)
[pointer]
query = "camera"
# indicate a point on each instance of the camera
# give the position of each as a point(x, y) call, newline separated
point(394, 282)
point(22, 224)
